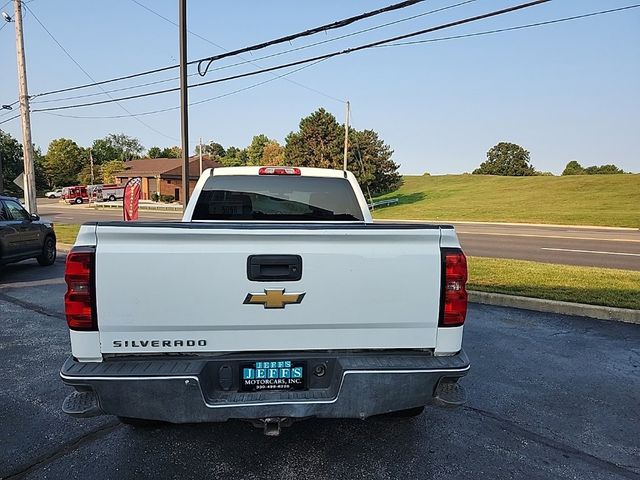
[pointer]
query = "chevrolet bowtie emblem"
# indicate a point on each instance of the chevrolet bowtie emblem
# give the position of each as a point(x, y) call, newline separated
point(273, 298)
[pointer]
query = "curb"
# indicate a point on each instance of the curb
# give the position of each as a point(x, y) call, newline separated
point(63, 247)
point(626, 315)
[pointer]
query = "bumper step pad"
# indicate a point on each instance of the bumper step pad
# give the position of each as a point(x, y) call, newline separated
point(81, 404)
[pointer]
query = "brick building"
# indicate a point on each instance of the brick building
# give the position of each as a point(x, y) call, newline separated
point(163, 175)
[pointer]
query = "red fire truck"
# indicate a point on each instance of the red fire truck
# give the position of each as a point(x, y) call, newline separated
point(76, 194)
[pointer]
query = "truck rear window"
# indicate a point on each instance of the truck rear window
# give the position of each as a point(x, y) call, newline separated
point(278, 198)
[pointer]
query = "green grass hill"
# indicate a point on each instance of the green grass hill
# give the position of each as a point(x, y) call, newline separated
point(603, 200)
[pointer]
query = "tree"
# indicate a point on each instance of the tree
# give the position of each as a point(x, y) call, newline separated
point(84, 177)
point(272, 154)
point(154, 152)
point(506, 159)
point(369, 159)
point(256, 148)
point(168, 152)
point(608, 169)
point(320, 143)
point(64, 161)
point(111, 167)
point(116, 147)
point(213, 149)
point(13, 164)
point(573, 168)
point(38, 166)
point(234, 157)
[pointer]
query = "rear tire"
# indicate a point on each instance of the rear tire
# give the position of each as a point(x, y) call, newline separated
point(48, 256)
point(140, 422)
point(78, 201)
point(112, 198)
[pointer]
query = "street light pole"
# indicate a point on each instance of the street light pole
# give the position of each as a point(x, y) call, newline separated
point(184, 101)
point(27, 144)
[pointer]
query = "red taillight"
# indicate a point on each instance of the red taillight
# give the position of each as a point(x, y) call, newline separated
point(279, 171)
point(454, 297)
point(79, 305)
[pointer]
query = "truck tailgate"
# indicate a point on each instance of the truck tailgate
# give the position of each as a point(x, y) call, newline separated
point(182, 287)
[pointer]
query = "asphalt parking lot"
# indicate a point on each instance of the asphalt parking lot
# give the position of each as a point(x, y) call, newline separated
point(550, 396)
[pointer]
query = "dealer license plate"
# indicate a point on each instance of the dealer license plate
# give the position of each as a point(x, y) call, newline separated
point(272, 375)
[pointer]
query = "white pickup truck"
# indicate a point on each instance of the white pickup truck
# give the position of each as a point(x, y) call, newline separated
point(276, 298)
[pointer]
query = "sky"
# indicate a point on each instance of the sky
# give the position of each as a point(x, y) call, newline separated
point(569, 91)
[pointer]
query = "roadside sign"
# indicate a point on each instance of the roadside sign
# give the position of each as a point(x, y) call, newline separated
point(131, 199)
point(19, 181)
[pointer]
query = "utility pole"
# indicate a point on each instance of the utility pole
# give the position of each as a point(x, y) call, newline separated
point(200, 155)
point(184, 101)
point(346, 135)
point(91, 163)
point(27, 144)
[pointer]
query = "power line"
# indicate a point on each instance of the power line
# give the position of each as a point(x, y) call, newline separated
point(152, 112)
point(244, 62)
point(86, 95)
point(518, 27)
point(314, 59)
point(226, 50)
point(91, 78)
point(306, 33)
point(244, 49)
point(9, 119)
point(322, 42)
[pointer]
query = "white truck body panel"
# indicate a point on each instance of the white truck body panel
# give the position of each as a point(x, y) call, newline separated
point(365, 289)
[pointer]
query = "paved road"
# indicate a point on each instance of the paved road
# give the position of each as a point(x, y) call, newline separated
point(572, 246)
point(550, 397)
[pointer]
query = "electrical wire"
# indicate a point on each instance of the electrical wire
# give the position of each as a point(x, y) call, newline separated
point(509, 29)
point(199, 102)
point(86, 95)
point(359, 156)
point(242, 50)
point(239, 56)
point(9, 119)
point(312, 31)
point(333, 39)
point(314, 59)
point(91, 78)
point(244, 62)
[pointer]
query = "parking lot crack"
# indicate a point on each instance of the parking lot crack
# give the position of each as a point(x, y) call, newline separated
point(513, 427)
point(64, 450)
point(31, 306)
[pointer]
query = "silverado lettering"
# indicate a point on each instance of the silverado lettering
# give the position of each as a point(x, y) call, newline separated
point(158, 343)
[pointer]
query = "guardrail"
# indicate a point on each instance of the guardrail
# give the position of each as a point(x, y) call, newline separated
point(143, 206)
point(383, 203)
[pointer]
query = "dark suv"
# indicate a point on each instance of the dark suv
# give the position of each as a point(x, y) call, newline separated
point(24, 235)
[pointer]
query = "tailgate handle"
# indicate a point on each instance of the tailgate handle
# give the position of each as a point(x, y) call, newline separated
point(282, 268)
